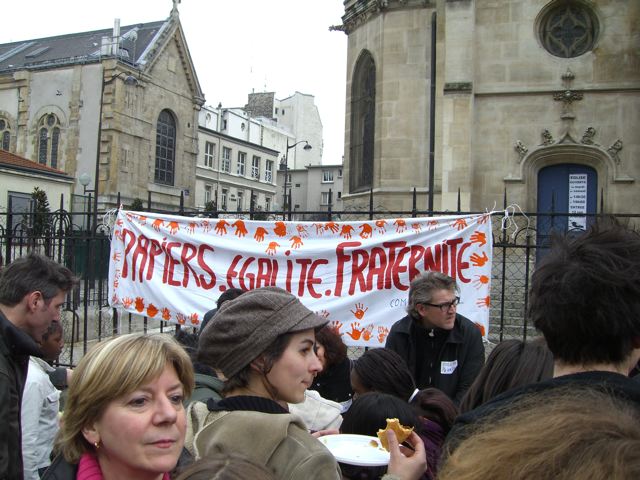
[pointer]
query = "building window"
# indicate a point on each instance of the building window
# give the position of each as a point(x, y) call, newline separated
point(327, 176)
point(223, 200)
point(207, 194)
point(209, 149)
point(339, 173)
point(324, 198)
point(339, 195)
point(363, 108)
point(255, 167)
point(242, 158)
point(226, 159)
point(165, 148)
point(267, 204)
point(568, 29)
point(268, 171)
point(5, 135)
point(21, 218)
point(48, 140)
point(224, 124)
point(240, 201)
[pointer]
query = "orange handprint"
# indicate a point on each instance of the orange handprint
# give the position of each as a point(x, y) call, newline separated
point(382, 334)
point(221, 227)
point(459, 224)
point(432, 224)
point(360, 311)
point(260, 233)
point(366, 334)
point(480, 281)
point(152, 310)
point(416, 227)
point(484, 302)
point(173, 227)
point(480, 327)
point(355, 332)
point(346, 231)
point(127, 302)
point(479, 237)
point(401, 225)
point(319, 228)
point(381, 225)
point(365, 230)
point(484, 218)
point(139, 304)
point(206, 226)
point(241, 230)
point(280, 229)
point(142, 219)
point(478, 260)
point(296, 242)
point(166, 314)
point(157, 223)
point(181, 319)
point(323, 313)
point(331, 226)
point(302, 231)
point(194, 319)
point(191, 228)
point(271, 249)
point(336, 326)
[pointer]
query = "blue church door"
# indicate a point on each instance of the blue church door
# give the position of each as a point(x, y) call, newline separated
point(565, 189)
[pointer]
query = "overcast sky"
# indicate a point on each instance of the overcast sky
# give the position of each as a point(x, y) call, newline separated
point(237, 46)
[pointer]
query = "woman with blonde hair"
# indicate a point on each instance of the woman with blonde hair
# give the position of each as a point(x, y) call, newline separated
point(572, 434)
point(124, 416)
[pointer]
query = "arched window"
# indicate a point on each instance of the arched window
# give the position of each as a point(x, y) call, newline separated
point(568, 28)
point(363, 116)
point(48, 140)
point(5, 134)
point(165, 148)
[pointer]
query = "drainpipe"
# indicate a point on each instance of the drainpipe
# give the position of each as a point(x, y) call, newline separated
point(432, 112)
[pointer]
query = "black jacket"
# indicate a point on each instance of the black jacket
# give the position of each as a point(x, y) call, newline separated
point(15, 348)
point(463, 345)
point(614, 384)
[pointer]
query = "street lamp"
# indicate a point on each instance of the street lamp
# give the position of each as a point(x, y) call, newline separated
point(128, 80)
point(286, 172)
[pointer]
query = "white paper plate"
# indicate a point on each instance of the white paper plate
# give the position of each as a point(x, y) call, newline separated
point(356, 449)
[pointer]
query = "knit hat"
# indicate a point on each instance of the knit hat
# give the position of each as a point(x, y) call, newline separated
point(243, 328)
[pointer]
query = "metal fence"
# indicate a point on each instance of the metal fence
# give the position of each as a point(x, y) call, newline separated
point(81, 241)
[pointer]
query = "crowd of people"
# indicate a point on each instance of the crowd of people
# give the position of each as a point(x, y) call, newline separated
point(254, 391)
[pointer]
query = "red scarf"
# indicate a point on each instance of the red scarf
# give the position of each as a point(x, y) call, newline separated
point(89, 469)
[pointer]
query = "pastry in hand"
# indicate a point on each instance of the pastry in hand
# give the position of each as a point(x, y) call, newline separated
point(402, 432)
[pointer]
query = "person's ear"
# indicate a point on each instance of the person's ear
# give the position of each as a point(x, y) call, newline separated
point(91, 434)
point(258, 365)
point(33, 299)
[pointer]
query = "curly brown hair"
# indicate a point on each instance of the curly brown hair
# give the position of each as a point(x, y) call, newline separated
point(335, 351)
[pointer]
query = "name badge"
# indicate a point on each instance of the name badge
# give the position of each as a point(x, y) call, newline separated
point(447, 368)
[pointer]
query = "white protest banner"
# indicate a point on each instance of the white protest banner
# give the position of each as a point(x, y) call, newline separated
point(356, 274)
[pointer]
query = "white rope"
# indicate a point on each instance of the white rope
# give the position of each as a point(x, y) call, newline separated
point(509, 221)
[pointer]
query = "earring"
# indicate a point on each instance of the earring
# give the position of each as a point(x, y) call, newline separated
point(97, 445)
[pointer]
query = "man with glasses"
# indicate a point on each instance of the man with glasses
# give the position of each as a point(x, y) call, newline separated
point(442, 348)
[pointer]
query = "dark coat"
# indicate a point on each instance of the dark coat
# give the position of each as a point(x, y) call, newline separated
point(15, 348)
point(335, 382)
point(61, 470)
point(462, 345)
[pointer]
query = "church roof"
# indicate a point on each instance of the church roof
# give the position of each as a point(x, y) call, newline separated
point(74, 48)
point(12, 161)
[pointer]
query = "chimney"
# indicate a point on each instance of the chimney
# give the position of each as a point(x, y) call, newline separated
point(115, 45)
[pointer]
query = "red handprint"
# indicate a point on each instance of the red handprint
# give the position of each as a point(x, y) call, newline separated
point(381, 225)
point(241, 230)
point(181, 319)
point(479, 237)
point(416, 227)
point(382, 334)
point(480, 281)
point(206, 226)
point(166, 314)
point(401, 225)
point(114, 299)
point(432, 224)
point(193, 318)
point(142, 219)
point(323, 313)
point(346, 231)
point(478, 260)
point(280, 229)
point(459, 224)
point(221, 227)
point(139, 304)
point(271, 248)
point(360, 311)
point(484, 302)
point(173, 227)
point(191, 228)
point(127, 302)
point(319, 228)
point(152, 310)
point(355, 332)
point(484, 218)
point(116, 256)
point(331, 226)
point(302, 231)
point(260, 233)
point(296, 242)
point(365, 230)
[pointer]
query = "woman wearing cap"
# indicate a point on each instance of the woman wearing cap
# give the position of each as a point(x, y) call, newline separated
point(263, 343)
